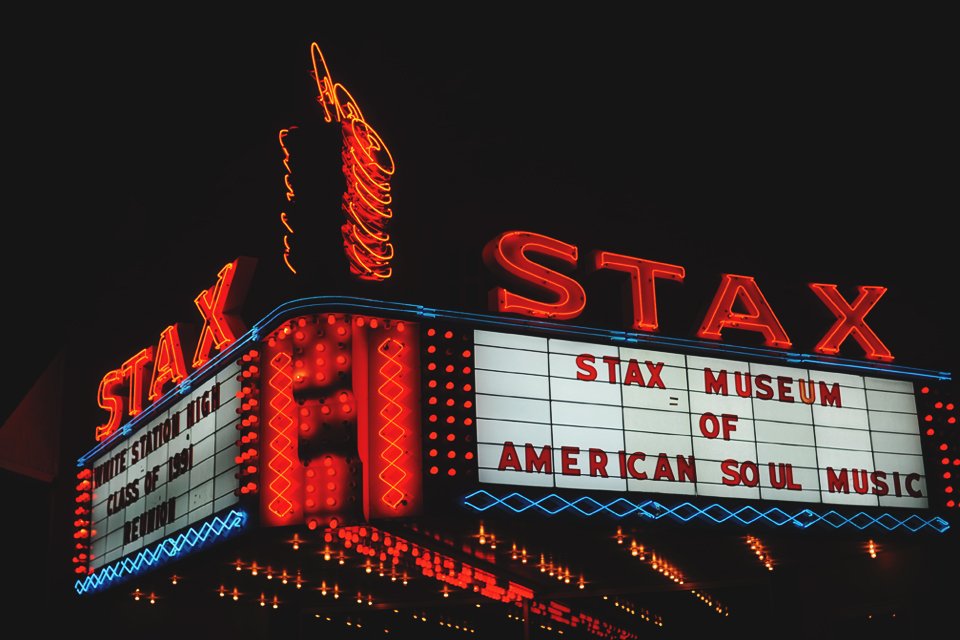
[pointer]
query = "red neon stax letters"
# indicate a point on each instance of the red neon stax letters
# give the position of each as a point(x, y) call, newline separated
point(559, 296)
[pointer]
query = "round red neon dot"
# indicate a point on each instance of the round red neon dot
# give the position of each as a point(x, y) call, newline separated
point(432, 400)
point(451, 454)
point(431, 349)
point(331, 502)
point(448, 335)
point(468, 455)
point(928, 418)
point(341, 331)
point(948, 489)
point(451, 419)
point(925, 390)
point(949, 406)
point(341, 359)
point(468, 387)
point(360, 322)
point(310, 503)
point(951, 503)
point(432, 417)
point(930, 432)
point(432, 384)
point(312, 524)
point(450, 402)
point(951, 420)
point(434, 471)
point(432, 366)
point(433, 332)
point(468, 421)
point(451, 437)
point(327, 461)
point(449, 385)
point(311, 473)
point(947, 475)
point(449, 368)
point(956, 462)
point(466, 353)
point(451, 472)
point(943, 447)
point(945, 461)
point(468, 404)
point(325, 409)
point(466, 370)
point(938, 405)
point(433, 453)
point(320, 347)
point(433, 435)
point(343, 396)
point(298, 335)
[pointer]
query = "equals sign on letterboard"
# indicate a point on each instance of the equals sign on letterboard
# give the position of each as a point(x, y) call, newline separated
point(674, 401)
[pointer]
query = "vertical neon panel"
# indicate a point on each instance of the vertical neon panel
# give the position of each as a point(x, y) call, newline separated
point(281, 481)
point(390, 425)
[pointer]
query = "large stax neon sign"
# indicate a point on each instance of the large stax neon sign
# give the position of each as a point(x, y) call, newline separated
point(738, 304)
point(164, 365)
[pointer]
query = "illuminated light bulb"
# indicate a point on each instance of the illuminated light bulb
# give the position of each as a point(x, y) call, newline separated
point(235, 594)
point(153, 598)
point(222, 591)
point(284, 578)
point(296, 542)
point(634, 551)
point(263, 600)
point(482, 536)
point(174, 578)
point(336, 592)
point(299, 581)
point(513, 552)
point(269, 573)
point(276, 602)
point(136, 595)
point(326, 553)
point(253, 569)
point(239, 565)
point(368, 568)
point(341, 559)
point(404, 578)
point(493, 538)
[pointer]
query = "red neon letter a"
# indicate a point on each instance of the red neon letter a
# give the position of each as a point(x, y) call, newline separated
point(217, 304)
point(758, 316)
point(850, 321)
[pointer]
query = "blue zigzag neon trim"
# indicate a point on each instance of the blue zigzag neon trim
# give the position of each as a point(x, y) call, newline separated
point(621, 507)
point(167, 548)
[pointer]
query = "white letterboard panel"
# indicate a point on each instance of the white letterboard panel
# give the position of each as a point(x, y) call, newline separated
point(566, 414)
point(173, 471)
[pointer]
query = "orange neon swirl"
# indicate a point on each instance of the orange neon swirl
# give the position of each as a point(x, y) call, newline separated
point(391, 432)
point(290, 195)
point(282, 384)
point(367, 167)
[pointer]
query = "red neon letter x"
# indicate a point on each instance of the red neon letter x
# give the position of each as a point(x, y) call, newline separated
point(850, 321)
point(219, 327)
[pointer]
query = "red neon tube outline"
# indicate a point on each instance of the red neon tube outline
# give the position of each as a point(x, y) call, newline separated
point(759, 317)
point(851, 321)
point(392, 432)
point(281, 382)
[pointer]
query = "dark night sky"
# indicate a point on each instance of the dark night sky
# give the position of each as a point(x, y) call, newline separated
point(142, 160)
point(142, 155)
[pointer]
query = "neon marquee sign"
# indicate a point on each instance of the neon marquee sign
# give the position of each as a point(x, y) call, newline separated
point(562, 297)
point(121, 391)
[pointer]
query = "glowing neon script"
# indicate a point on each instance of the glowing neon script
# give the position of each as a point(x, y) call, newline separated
point(391, 432)
point(290, 195)
point(367, 167)
point(281, 383)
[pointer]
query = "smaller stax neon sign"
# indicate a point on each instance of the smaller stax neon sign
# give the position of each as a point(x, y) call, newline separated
point(162, 367)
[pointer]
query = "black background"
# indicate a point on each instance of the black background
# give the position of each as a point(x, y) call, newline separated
point(142, 155)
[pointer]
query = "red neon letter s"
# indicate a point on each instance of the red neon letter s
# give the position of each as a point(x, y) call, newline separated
point(850, 321)
point(507, 255)
point(759, 316)
point(642, 287)
point(108, 399)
